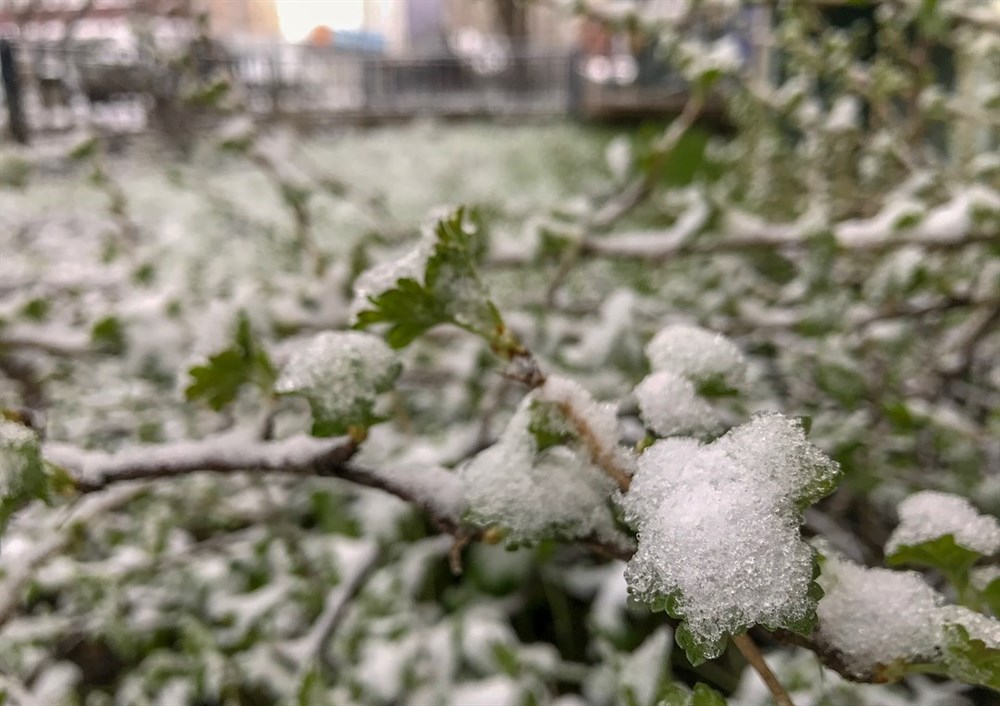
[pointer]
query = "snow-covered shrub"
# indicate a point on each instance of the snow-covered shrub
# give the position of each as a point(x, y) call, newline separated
point(488, 495)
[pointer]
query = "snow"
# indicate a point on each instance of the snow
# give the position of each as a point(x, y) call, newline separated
point(945, 223)
point(697, 354)
point(877, 616)
point(927, 515)
point(644, 669)
point(658, 243)
point(536, 493)
point(982, 576)
point(617, 319)
point(670, 405)
point(718, 526)
point(599, 418)
point(340, 372)
point(482, 631)
point(492, 691)
point(844, 114)
point(16, 440)
point(380, 278)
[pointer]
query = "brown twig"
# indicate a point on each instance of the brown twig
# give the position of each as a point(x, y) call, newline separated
point(748, 648)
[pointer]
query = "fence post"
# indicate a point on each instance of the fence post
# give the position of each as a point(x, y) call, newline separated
point(12, 89)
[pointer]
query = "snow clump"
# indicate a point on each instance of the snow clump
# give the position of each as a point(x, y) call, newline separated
point(340, 373)
point(927, 515)
point(670, 405)
point(875, 617)
point(697, 354)
point(18, 451)
point(536, 493)
point(718, 528)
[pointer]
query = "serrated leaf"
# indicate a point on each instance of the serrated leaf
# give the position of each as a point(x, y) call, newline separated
point(970, 660)
point(450, 291)
point(696, 648)
point(219, 380)
point(943, 553)
point(22, 472)
point(699, 563)
point(409, 309)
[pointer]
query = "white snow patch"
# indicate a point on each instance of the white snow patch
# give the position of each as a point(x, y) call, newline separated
point(670, 405)
point(698, 354)
point(718, 526)
point(930, 514)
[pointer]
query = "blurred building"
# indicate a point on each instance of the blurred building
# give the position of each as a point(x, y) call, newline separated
point(243, 19)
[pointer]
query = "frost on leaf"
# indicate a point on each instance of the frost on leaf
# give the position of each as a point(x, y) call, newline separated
point(22, 474)
point(341, 373)
point(705, 358)
point(536, 482)
point(718, 531)
point(880, 620)
point(670, 405)
point(435, 283)
point(942, 531)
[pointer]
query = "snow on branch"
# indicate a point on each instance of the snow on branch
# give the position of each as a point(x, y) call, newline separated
point(435, 490)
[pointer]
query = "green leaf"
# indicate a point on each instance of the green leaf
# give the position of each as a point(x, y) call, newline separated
point(85, 149)
point(22, 473)
point(702, 695)
point(409, 309)
point(219, 380)
point(340, 374)
point(549, 426)
point(715, 386)
point(210, 95)
point(970, 660)
point(943, 553)
point(450, 291)
point(706, 696)
point(108, 336)
point(37, 309)
point(991, 596)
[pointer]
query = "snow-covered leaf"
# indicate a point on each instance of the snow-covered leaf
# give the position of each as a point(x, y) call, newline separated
point(22, 473)
point(341, 374)
point(942, 531)
point(434, 284)
point(718, 533)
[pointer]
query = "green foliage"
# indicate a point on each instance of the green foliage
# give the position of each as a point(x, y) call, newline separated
point(548, 426)
point(22, 472)
point(701, 695)
point(85, 149)
point(991, 596)
point(943, 554)
point(681, 165)
point(15, 171)
point(970, 660)
point(450, 292)
point(341, 374)
point(219, 380)
point(108, 336)
point(37, 309)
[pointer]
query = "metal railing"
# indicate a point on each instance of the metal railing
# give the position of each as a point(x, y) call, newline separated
point(68, 88)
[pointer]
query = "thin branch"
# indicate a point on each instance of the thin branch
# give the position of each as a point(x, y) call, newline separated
point(363, 560)
point(748, 648)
